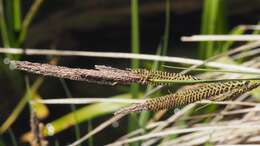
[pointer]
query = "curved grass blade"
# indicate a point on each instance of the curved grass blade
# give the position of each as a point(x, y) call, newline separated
point(83, 114)
point(213, 70)
point(28, 19)
point(201, 81)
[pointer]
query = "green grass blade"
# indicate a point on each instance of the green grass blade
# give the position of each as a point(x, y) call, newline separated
point(13, 139)
point(135, 30)
point(20, 106)
point(28, 19)
point(204, 27)
point(7, 29)
point(84, 114)
point(213, 22)
point(213, 70)
point(221, 27)
point(72, 107)
point(90, 139)
point(166, 27)
point(4, 30)
point(8, 18)
point(133, 124)
point(17, 14)
point(213, 10)
point(203, 81)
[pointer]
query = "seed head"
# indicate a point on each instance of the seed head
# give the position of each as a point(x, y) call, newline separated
point(147, 76)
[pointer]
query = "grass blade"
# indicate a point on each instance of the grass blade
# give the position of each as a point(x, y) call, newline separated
point(13, 139)
point(84, 114)
point(72, 107)
point(213, 22)
point(20, 106)
point(17, 14)
point(28, 19)
point(202, 81)
point(134, 63)
point(213, 70)
point(4, 30)
point(90, 128)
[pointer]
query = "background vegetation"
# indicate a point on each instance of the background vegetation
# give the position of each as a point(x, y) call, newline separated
point(151, 27)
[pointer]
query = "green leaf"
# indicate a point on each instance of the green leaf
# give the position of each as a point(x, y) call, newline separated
point(83, 114)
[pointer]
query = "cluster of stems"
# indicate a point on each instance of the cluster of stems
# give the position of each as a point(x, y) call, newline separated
point(216, 91)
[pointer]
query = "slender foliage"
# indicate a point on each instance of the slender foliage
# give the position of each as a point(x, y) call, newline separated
point(213, 22)
point(135, 45)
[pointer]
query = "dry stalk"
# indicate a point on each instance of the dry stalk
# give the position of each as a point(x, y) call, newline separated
point(194, 62)
point(97, 129)
point(99, 75)
point(246, 126)
point(37, 132)
point(199, 38)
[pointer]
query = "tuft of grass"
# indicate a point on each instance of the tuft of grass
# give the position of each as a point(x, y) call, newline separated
point(10, 24)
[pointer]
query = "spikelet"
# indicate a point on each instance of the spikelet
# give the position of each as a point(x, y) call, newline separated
point(149, 75)
point(236, 92)
point(184, 97)
point(211, 91)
